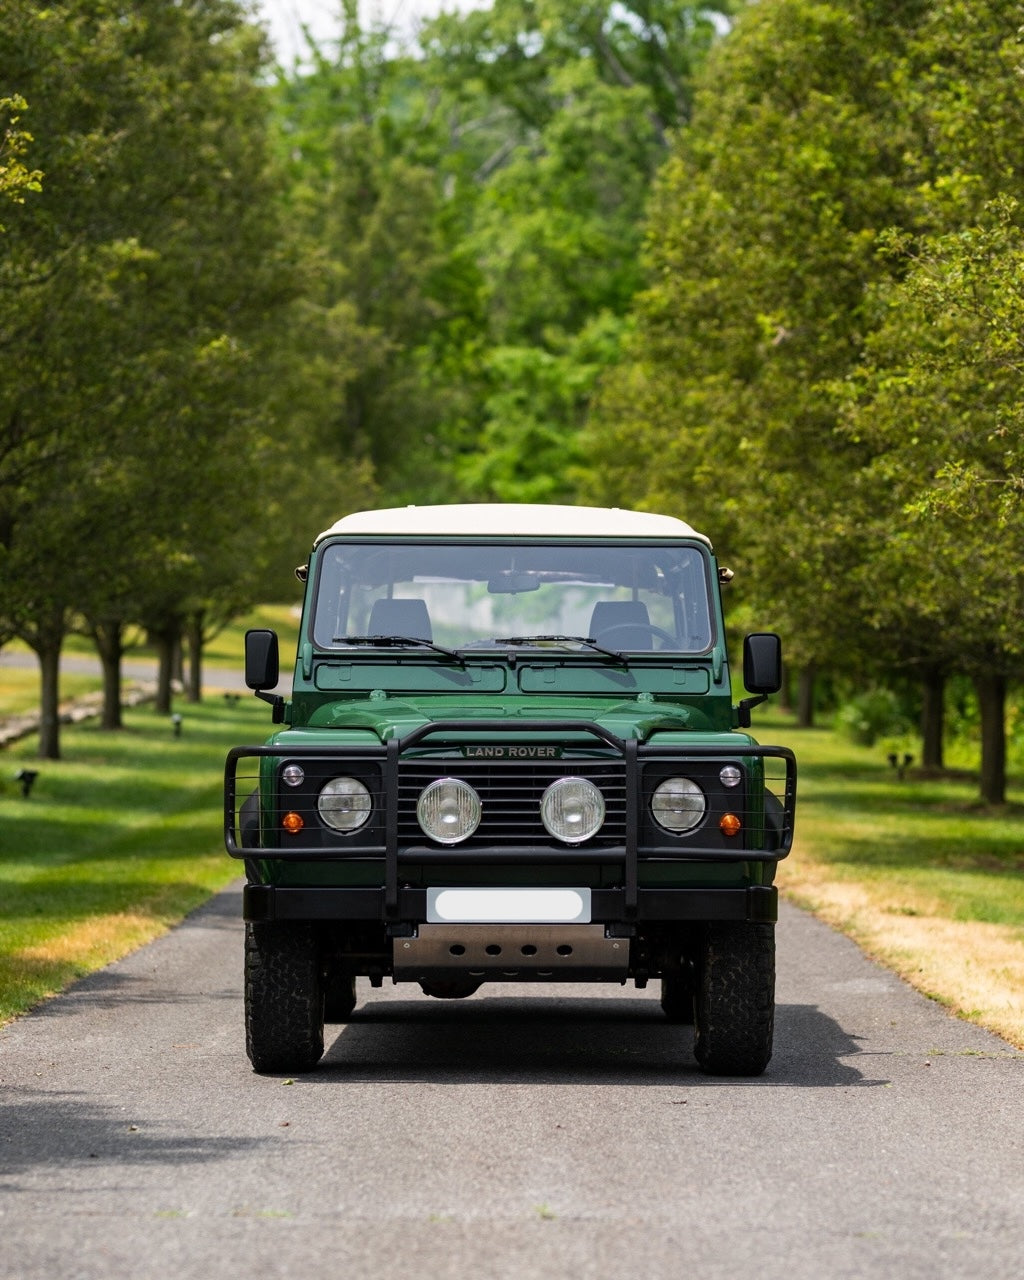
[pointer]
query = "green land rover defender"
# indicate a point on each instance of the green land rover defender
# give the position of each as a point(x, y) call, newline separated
point(511, 754)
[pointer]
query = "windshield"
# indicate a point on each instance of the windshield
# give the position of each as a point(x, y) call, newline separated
point(627, 598)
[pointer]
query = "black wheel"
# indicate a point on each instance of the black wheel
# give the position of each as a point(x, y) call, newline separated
point(284, 997)
point(249, 833)
point(735, 1005)
point(677, 998)
point(249, 822)
point(340, 998)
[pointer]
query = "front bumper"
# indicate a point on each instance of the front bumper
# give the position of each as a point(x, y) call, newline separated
point(758, 903)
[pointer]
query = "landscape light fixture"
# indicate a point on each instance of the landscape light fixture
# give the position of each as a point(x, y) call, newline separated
point(26, 777)
point(900, 765)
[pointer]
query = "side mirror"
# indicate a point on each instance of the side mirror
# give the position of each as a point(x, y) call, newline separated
point(762, 671)
point(762, 663)
point(262, 659)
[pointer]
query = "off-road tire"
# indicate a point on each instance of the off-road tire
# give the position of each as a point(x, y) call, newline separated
point(735, 1004)
point(340, 998)
point(677, 998)
point(249, 833)
point(284, 997)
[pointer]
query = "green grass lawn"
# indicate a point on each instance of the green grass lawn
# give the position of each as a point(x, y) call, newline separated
point(917, 871)
point(19, 689)
point(116, 842)
point(926, 836)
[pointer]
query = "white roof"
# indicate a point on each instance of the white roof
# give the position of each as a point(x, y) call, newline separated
point(515, 520)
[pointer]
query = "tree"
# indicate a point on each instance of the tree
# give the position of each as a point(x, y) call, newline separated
point(387, 291)
point(477, 202)
point(569, 108)
point(819, 127)
point(941, 374)
point(135, 293)
point(761, 252)
point(937, 400)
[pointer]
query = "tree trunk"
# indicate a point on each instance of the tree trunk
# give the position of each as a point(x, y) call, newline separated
point(991, 693)
point(178, 660)
point(49, 701)
point(108, 637)
point(786, 691)
point(194, 685)
point(805, 696)
point(166, 637)
point(46, 641)
point(933, 718)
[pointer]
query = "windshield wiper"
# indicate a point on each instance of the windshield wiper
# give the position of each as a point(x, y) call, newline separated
point(591, 644)
point(415, 641)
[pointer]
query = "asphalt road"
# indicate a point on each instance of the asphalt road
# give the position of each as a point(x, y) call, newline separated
point(227, 678)
point(523, 1133)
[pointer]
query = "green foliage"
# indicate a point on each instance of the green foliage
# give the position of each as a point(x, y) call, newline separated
point(823, 364)
point(15, 178)
point(936, 401)
point(535, 402)
point(583, 97)
point(874, 714)
point(761, 247)
point(476, 208)
point(138, 290)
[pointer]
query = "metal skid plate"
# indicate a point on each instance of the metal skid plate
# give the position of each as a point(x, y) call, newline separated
point(512, 953)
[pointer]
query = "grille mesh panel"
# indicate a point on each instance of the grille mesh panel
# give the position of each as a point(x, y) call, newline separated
point(510, 794)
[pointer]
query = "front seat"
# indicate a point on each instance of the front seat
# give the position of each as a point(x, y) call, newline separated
point(400, 618)
point(630, 620)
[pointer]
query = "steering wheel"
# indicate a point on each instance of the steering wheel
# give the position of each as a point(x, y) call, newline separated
point(656, 632)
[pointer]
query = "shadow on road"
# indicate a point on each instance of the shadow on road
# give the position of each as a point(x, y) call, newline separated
point(68, 1130)
point(555, 1041)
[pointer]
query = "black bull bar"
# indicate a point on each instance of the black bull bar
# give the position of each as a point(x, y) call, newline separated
point(455, 734)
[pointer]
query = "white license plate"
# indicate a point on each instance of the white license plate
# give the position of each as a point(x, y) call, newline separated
point(508, 906)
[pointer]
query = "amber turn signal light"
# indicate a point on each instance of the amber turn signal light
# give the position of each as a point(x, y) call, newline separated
point(730, 825)
point(293, 823)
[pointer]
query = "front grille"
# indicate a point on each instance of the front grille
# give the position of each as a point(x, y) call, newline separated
point(510, 792)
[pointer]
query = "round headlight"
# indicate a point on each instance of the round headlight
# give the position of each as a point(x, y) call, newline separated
point(678, 804)
point(448, 810)
point(344, 804)
point(572, 810)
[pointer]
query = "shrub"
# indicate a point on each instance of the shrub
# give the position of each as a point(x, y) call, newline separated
point(874, 714)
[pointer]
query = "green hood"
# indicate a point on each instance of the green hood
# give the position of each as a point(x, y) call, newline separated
point(387, 717)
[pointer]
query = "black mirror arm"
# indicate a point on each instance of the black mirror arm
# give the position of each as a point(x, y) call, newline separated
point(745, 707)
point(276, 701)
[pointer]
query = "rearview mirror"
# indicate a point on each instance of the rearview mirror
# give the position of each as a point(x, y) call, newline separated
point(510, 583)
